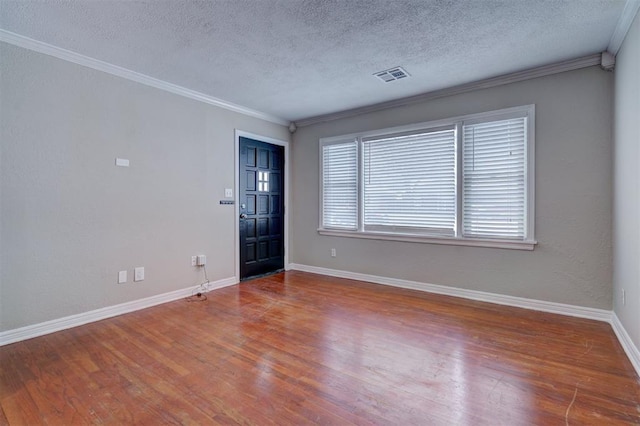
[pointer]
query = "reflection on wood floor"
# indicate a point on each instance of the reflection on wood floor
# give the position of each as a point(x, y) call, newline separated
point(299, 348)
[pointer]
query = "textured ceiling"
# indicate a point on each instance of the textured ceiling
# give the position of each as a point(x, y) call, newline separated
point(297, 59)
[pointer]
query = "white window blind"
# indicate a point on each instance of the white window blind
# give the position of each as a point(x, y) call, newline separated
point(340, 186)
point(494, 179)
point(409, 182)
point(467, 180)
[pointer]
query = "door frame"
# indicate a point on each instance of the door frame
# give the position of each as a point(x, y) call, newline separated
point(287, 168)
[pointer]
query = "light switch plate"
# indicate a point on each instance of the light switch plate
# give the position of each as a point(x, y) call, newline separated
point(138, 274)
point(122, 277)
point(122, 162)
point(228, 192)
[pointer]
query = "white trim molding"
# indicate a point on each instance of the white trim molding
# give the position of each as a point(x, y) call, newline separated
point(632, 351)
point(413, 238)
point(481, 296)
point(86, 61)
point(570, 65)
point(35, 330)
point(629, 13)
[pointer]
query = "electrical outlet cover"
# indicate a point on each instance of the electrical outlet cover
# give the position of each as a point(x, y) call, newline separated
point(138, 274)
point(122, 162)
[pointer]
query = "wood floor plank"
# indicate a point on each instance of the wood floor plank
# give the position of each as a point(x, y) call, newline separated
point(299, 348)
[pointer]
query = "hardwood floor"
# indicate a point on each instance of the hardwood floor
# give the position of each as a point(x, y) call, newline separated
point(299, 348)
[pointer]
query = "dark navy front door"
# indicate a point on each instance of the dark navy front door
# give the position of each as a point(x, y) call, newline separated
point(261, 208)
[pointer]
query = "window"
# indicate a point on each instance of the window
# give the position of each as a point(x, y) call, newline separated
point(467, 180)
point(493, 176)
point(410, 182)
point(263, 181)
point(340, 183)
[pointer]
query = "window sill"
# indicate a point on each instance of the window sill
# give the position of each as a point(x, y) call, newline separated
point(413, 238)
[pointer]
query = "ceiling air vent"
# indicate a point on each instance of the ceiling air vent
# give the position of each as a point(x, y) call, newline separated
point(392, 74)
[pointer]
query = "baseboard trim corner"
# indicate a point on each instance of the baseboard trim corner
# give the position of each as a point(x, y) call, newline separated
point(632, 351)
point(518, 302)
point(35, 330)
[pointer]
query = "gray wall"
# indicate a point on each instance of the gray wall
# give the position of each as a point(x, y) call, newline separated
point(626, 222)
point(70, 220)
point(572, 262)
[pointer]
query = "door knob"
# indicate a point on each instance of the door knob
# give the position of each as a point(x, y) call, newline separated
point(243, 216)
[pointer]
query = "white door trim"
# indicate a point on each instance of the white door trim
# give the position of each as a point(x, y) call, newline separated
point(285, 144)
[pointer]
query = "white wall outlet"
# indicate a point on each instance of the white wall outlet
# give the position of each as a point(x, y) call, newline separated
point(122, 277)
point(228, 192)
point(202, 260)
point(194, 260)
point(333, 252)
point(122, 162)
point(624, 298)
point(138, 274)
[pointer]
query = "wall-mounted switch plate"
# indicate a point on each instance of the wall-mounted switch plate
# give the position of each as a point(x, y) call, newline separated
point(122, 277)
point(138, 274)
point(194, 260)
point(228, 192)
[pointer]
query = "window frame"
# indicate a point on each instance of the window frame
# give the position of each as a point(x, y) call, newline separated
point(528, 243)
point(341, 141)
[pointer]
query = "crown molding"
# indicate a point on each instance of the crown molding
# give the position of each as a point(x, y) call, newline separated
point(86, 61)
point(629, 13)
point(570, 65)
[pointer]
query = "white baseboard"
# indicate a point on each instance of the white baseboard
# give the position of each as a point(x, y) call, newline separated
point(28, 332)
point(633, 353)
point(35, 330)
point(519, 302)
point(627, 344)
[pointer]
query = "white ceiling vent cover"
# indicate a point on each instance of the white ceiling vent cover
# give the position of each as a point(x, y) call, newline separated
point(392, 74)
